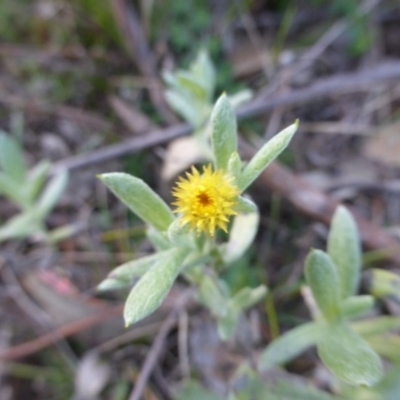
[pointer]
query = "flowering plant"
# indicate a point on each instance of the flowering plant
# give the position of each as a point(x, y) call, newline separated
point(186, 244)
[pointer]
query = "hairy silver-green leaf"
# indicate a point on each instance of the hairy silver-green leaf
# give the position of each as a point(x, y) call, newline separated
point(211, 295)
point(12, 159)
point(140, 198)
point(356, 305)
point(349, 356)
point(203, 68)
point(245, 205)
point(223, 132)
point(134, 269)
point(345, 250)
point(158, 239)
point(180, 235)
point(290, 345)
point(51, 194)
point(241, 236)
point(185, 108)
point(147, 295)
point(322, 277)
point(235, 165)
point(266, 155)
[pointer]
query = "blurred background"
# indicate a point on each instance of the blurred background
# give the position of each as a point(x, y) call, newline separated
point(82, 85)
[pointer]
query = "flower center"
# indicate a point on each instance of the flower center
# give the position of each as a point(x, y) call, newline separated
point(204, 199)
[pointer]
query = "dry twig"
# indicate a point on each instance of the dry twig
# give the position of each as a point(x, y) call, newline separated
point(157, 346)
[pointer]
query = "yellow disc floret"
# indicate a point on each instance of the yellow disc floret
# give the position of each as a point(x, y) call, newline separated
point(206, 201)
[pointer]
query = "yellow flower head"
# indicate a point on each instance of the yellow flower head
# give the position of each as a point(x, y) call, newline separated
point(206, 201)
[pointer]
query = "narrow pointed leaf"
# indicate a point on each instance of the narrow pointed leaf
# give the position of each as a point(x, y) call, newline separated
point(140, 198)
point(345, 251)
point(223, 132)
point(147, 295)
point(349, 356)
point(266, 155)
point(322, 277)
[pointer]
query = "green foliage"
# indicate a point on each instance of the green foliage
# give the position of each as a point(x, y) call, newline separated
point(266, 155)
point(199, 258)
point(322, 276)
point(291, 344)
point(333, 279)
point(191, 91)
point(223, 132)
point(348, 356)
point(139, 198)
point(345, 250)
point(27, 190)
point(147, 295)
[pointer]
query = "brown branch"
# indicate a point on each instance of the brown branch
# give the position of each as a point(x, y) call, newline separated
point(360, 81)
point(302, 195)
point(320, 206)
point(43, 341)
point(157, 346)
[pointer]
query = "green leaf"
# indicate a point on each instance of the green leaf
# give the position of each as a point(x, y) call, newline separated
point(125, 274)
point(147, 295)
point(193, 84)
point(266, 155)
point(356, 305)
point(290, 345)
point(385, 283)
point(36, 180)
point(321, 275)
point(345, 251)
point(158, 239)
point(223, 132)
point(21, 226)
point(51, 194)
point(258, 389)
point(13, 190)
point(192, 390)
point(180, 235)
point(184, 108)
point(227, 324)
point(241, 236)
point(247, 297)
point(235, 165)
point(12, 159)
point(211, 295)
point(245, 205)
point(387, 346)
point(376, 326)
point(140, 198)
point(349, 356)
point(204, 69)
